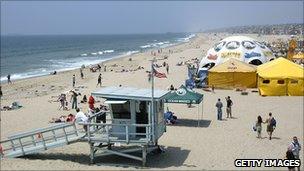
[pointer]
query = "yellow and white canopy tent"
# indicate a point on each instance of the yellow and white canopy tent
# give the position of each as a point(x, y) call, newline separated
point(281, 77)
point(232, 73)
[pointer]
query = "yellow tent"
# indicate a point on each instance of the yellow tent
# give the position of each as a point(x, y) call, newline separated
point(232, 73)
point(280, 77)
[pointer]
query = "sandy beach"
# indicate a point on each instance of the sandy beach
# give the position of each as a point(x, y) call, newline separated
point(213, 146)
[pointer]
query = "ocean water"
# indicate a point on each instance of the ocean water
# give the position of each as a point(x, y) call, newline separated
point(30, 56)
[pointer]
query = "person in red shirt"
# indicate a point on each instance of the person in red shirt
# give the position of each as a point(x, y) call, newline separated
point(91, 102)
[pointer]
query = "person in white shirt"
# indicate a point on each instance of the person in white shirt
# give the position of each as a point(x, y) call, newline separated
point(295, 147)
point(81, 117)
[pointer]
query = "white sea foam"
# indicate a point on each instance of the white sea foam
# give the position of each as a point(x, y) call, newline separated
point(108, 51)
point(158, 44)
point(186, 39)
point(84, 54)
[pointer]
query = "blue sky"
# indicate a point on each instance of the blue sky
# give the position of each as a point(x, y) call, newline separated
point(97, 17)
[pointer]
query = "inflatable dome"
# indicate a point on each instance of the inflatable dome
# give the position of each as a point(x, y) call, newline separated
point(242, 48)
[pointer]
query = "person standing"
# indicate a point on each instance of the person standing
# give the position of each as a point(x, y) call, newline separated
point(91, 102)
point(62, 100)
point(74, 80)
point(167, 68)
point(295, 148)
point(219, 106)
point(270, 125)
point(258, 126)
point(99, 80)
point(81, 117)
point(228, 109)
point(105, 68)
point(74, 100)
point(81, 73)
point(1, 94)
point(9, 79)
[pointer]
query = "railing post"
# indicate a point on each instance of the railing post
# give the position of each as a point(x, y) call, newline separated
point(88, 131)
point(54, 135)
point(127, 134)
point(20, 142)
point(107, 132)
point(144, 155)
point(147, 132)
point(75, 129)
point(65, 134)
point(13, 145)
point(33, 140)
point(43, 141)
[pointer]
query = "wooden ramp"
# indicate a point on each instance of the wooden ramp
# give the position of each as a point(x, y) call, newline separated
point(39, 140)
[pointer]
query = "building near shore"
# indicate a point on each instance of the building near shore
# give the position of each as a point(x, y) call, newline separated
point(241, 48)
point(280, 77)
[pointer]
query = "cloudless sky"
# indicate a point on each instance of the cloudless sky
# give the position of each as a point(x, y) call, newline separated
point(98, 17)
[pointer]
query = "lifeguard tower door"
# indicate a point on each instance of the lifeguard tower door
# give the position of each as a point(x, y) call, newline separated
point(141, 116)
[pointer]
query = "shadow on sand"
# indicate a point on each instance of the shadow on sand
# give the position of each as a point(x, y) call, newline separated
point(171, 157)
point(192, 123)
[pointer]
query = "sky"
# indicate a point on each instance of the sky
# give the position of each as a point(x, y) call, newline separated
point(129, 17)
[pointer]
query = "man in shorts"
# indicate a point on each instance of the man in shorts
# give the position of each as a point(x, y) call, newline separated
point(228, 108)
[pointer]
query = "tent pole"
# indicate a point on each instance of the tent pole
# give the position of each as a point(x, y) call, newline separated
point(198, 115)
point(202, 109)
point(198, 119)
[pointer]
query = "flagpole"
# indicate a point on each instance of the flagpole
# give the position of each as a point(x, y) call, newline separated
point(152, 100)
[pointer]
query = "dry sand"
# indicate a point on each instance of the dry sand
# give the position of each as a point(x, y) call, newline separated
point(213, 146)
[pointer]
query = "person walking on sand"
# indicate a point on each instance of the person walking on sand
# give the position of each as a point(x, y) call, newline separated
point(290, 156)
point(295, 148)
point(271, 124)
point(219, 106)
point(258, 126)
point(167, 68)
point(99, 80)
point(212, 89)
point(62, 100)
point(228, 109)
point(81, 73)
point(9, 79)
point(74, 100)
point(74, 80)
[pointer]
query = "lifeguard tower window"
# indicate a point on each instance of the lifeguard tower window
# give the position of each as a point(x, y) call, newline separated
point(121, 111)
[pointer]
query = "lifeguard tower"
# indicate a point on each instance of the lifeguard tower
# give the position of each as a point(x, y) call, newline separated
point(132, 122)
point(131, 126)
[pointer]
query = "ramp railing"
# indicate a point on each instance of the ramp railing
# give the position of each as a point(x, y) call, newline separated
point(39, 140)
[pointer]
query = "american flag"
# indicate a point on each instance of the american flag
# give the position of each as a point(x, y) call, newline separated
point(158, 74)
